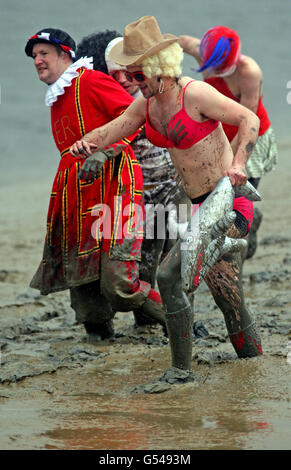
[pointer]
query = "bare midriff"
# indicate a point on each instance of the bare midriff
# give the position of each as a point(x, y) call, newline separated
point(203, 165)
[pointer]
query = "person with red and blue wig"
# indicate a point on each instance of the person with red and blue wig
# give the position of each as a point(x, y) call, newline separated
point(238, 77)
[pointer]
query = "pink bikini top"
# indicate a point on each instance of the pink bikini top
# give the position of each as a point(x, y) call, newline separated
point(194, 130)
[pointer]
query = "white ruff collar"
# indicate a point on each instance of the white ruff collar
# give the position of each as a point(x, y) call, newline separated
point(56, 89)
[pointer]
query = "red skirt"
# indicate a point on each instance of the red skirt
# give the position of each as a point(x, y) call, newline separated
point(85, 219)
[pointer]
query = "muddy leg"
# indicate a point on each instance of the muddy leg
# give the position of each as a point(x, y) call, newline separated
point(225, 283)
point(180, 326)
point(121, 286)
point(252, 238)
point(179, 317)
point(93, 310)
point(151, 254)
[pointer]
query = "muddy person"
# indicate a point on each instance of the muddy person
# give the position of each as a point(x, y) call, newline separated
point(238, 77)
point(160, 186)
point(185, 116)
point(101, 272)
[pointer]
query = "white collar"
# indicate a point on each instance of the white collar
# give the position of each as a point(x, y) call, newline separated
point(57, 88)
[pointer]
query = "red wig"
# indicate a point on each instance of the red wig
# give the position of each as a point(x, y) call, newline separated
point(219, 49)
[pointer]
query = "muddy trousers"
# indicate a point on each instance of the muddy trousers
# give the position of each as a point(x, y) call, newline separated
point(152, 252)
point(118, 289)
point(225, 283)
point(157, 247)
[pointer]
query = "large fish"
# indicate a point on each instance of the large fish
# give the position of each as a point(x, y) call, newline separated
point(205, 240)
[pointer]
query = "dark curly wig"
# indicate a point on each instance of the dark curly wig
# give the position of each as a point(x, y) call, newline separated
point(94, 46)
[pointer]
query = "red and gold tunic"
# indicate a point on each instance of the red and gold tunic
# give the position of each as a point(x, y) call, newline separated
point(75, 234)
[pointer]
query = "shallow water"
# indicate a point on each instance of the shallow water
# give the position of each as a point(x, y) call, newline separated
point(234, 406)
point(89, 404)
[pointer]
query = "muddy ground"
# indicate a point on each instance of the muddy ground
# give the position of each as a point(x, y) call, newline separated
point(57, 391)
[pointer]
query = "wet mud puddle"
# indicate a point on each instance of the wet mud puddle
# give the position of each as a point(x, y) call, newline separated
point(59, 392)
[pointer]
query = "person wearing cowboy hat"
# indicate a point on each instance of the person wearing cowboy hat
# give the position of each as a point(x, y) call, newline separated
point(185, 116)
point(159, 183)
point(99, 267)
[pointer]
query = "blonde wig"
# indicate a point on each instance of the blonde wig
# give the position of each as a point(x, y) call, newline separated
point(166, 62)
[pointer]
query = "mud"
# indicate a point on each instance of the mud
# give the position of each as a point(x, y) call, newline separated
point(57, 391)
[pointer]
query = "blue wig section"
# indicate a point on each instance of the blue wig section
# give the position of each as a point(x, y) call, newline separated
point(219, 53)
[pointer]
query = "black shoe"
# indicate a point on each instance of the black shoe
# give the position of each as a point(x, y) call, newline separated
point(99, 331)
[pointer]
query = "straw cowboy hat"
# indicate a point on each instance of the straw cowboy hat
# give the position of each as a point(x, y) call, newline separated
point(141, 39)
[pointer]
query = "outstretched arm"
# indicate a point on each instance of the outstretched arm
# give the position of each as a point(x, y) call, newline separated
point(100, 138)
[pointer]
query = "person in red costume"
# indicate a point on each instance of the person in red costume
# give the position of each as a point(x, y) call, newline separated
point(238, 77)
point(98, 263)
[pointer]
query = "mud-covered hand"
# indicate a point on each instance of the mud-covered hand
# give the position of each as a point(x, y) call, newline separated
point(92, 166)
point(237, 175)
point(176, 134)
point(82, 148)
